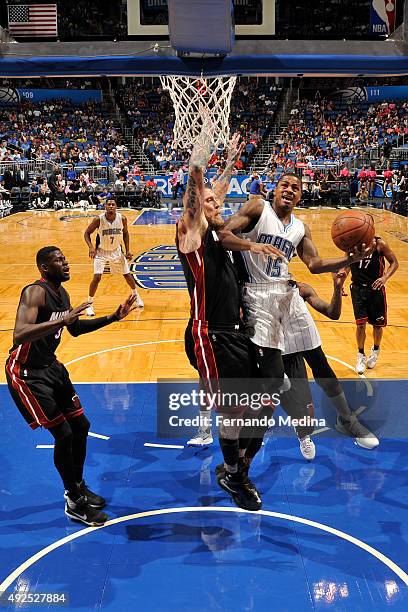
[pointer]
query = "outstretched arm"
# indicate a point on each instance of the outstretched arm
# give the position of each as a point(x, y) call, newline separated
point(308, 254)
point(26, 329)
point(78, 327)
point(193, 224)
point(235, 148)
point(332, 310)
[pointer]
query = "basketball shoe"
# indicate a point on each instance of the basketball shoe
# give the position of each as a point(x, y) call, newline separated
point(372, 360)
point(82, 512)
point(90, 311)
point(139, 301)
point(243, 495)
point(352, 427)
point(203, 438)
point(93, 499)
point(361, 364)
point(307, 448)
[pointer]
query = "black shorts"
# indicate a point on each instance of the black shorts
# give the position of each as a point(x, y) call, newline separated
point(45, 396)
point(369, 305)
point(222, 356)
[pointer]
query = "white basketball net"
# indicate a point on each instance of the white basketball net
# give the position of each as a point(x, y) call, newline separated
point(195, 99)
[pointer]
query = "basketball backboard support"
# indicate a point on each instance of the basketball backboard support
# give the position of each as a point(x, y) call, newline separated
point(138, 26)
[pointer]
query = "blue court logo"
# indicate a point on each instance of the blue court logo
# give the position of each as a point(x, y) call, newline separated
point(159, 268)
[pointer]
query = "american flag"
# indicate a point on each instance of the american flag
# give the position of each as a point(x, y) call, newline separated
point(32, 20)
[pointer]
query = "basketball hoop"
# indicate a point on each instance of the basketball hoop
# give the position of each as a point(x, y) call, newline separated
point(195, 100)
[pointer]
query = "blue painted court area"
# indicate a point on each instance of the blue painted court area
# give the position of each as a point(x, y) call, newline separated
point(179, 543)
point(170, 217)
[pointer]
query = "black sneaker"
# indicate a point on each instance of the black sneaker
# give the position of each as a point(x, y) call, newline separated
point(94, 500)
point(242, 494)
point(82, 512)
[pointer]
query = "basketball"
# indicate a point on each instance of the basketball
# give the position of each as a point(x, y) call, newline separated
point(352, 228)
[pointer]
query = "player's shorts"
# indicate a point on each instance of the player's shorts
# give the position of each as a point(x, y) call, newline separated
point(45, 396)
point(369, 305)
point(279, 317)
point(222, 355)
point(116, 261)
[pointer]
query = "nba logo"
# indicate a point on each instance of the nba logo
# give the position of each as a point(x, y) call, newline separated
point(382, 16)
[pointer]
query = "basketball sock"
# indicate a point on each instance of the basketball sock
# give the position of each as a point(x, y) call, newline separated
point(230, 452)
point(90, 299)
point(205, 420)
point(361, 351)
point(341, 405)
point(376, 347)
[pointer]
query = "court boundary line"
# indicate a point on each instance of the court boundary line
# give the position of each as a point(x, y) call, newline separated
point(163, 511)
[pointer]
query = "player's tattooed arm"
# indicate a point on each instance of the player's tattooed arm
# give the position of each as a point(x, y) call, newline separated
point(92, 227)
point(390, 256)
point(307, 252)
point(193, 224)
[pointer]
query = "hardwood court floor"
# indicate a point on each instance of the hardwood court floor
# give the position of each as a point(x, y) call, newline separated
point(149, 345)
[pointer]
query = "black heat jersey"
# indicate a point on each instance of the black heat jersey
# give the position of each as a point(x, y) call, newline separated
point(41, 353)
point(212, 282)
point(366, 271)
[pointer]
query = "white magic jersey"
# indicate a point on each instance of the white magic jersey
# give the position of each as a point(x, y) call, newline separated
point(270, 230)
point(110, 233)
point(273, 307)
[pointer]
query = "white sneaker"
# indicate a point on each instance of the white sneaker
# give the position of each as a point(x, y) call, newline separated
point(139, 301)
point(372, 360)
point(203, 438)
point(361, 364)
point(352, 427)
point(90, 311)
point(307, 448)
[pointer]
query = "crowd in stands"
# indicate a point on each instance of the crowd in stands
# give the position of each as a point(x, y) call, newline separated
point(322, 130)
point(61, 132)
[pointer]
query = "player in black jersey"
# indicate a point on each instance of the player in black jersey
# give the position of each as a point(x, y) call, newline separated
point(368, 279)
point(214, 342)
point(40, 385)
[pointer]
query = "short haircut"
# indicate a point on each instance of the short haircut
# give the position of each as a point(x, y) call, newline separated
point(289, 174)
point(44, 254)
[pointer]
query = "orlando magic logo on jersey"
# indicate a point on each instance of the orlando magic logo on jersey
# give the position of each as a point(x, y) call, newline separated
point(271, 230)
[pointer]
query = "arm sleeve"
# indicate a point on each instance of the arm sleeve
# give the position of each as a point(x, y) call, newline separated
point(84, 327)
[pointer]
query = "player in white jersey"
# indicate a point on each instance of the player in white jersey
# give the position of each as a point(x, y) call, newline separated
point(272, 303)
point(112, 230)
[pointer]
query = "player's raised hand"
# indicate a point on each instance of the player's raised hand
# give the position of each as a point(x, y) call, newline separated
point(267, 250)
point(363, 251)
point(235, 148)
point(73, 314)
point(126, 307)
point(339, 277)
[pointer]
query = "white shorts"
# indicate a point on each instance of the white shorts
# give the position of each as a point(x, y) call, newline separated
point(116, 261)
point(279, 317)
point(299, 329)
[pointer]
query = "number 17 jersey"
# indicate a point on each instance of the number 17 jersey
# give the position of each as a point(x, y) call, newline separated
point(270, 230)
